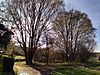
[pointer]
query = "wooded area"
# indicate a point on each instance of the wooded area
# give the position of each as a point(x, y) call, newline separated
point(44, 32)
point(44, 26)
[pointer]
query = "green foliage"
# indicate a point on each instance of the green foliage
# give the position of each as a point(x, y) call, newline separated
point(5, 37)
point(89, 68)
point(1, 73)
point(76, 71)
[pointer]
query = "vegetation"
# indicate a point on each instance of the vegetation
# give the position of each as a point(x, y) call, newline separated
point(89, 68)
point(76, 71)
point(75, 33)
point(5, 37)
point(38, 23)
point(73, 68)
point(5, 73)
point(30, 18)
point(47, 34)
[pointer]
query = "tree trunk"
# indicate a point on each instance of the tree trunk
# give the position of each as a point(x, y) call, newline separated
point(63, 57)
point(29, 54)
point(66, 57)
point(47, 59)
point(28, 58)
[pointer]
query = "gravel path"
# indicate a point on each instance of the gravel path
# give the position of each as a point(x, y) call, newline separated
point(26, 70)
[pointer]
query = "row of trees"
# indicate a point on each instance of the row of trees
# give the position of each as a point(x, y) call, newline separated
point(45, 23)
point(75, 34)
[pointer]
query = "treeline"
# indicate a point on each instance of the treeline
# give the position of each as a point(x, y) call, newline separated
point(45, 30)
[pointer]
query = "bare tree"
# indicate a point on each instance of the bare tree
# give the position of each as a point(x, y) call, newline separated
point(73, 27)
point(28, 20)
point(49, 45)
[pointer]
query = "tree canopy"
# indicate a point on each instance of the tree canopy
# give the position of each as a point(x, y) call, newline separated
point(29, 19)
point(74, 29)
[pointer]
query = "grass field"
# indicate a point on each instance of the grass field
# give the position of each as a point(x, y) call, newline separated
point(76, 71)
point(75, 68)
point(90, 68)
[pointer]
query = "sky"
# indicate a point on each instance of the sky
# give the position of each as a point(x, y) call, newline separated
point(92, 9)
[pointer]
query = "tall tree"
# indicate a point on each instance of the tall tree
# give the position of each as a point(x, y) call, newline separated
point(29, 19)
point(48, 41)
point(73, 28)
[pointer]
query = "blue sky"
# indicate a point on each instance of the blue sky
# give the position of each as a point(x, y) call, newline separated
point(92, 8)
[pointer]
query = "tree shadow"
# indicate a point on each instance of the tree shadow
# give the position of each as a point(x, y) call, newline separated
point(43, 69)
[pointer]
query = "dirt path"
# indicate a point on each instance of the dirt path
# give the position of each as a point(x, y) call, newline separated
point(26, 70)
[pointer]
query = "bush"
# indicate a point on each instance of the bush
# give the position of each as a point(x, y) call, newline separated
point(8, 64)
